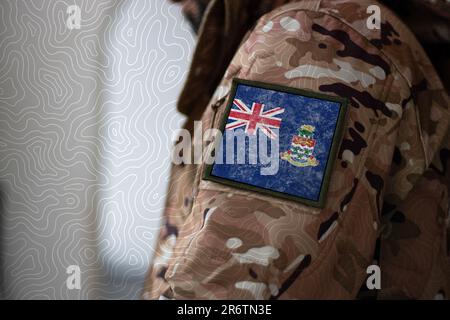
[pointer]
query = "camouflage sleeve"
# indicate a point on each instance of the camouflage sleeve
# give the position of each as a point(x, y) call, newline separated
point(241, 244)
point(414, 257)
point(237, 244)
point(415, 250)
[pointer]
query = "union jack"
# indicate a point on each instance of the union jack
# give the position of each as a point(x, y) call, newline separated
point(254, 118)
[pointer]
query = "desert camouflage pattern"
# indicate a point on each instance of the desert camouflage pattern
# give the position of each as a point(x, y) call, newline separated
point(389, 185)
point(193, 11)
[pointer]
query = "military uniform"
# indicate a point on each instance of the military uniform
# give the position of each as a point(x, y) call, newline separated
point(388, 189)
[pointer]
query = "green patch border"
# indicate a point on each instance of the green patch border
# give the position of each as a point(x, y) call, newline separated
point(336, 141)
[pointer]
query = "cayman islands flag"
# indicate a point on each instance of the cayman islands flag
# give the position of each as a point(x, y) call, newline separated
point(297, 130)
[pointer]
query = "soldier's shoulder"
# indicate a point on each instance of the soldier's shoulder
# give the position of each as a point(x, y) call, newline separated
point(396, 43)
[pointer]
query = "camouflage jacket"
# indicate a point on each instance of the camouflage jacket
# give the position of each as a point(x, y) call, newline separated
point(389, 184)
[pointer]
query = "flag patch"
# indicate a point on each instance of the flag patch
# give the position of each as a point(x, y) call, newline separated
point(278, 140)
